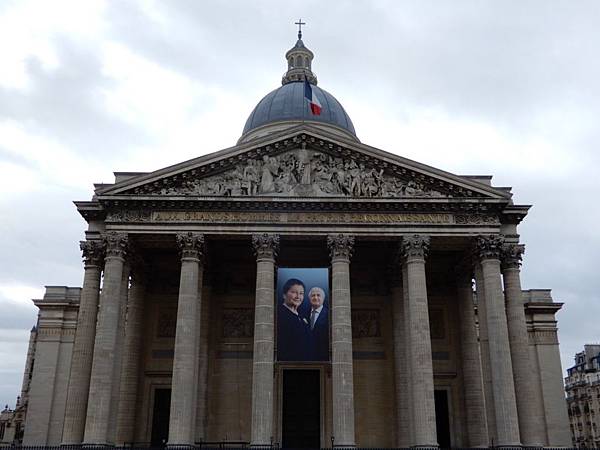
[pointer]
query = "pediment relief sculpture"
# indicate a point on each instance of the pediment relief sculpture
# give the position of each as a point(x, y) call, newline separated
point(302, 173)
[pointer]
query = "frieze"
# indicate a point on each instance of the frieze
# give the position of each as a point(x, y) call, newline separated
point(238, 323)
point(293, 217)
point(300, 172)
point(365, 323)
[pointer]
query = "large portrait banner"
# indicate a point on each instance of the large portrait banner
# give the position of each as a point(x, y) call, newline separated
point(302, 302)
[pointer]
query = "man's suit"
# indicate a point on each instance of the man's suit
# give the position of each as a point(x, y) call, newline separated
point(319, 336)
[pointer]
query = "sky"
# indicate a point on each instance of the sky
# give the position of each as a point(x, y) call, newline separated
point(508, 89)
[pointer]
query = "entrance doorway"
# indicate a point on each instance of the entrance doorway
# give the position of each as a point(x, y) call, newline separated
point(442, 418)
point(160, 417)
point(301, 408)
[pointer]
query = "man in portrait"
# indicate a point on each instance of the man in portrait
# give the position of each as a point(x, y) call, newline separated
point(293, 333)
point(318, 320)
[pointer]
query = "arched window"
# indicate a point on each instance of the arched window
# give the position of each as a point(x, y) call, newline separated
point(298, 61)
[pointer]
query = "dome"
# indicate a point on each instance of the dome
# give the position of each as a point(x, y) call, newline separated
point(288, 103)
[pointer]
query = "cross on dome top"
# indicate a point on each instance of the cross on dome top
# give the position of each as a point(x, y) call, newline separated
point(300, 23)
point(299, 59)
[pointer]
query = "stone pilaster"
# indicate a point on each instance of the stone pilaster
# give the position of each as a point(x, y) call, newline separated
point(341, 248)
point(83, 347)
point(266, 247)
point(505, 406)
point(475, 414)
point(102, 381)
point(131, 357)
point(182, 420)
point(530, 405)
point(400, 360)
point(414, 251)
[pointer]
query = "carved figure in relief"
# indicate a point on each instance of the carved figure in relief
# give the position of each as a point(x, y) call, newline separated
point(302, 173)
point(270, 168)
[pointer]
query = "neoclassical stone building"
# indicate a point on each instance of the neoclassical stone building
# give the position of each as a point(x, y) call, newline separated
point(172, 336)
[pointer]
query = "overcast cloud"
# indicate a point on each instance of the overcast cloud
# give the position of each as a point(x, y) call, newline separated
point(473, 87)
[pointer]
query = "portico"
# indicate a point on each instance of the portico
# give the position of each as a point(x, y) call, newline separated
point(430, 337)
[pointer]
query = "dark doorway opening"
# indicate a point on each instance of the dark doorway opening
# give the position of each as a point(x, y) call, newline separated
point(301, 409)
point(160, 417)
point(442, 418)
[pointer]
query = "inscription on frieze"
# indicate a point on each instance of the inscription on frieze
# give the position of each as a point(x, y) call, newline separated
point(365, 323)
point(298, 217)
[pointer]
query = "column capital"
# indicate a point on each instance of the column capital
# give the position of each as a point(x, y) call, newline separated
point(191, 245)
point(265, 245)
point(511, 256)
point(414, 246)
point(488, 246)
point(116, 244)
point(92, 252)
point(340, 246)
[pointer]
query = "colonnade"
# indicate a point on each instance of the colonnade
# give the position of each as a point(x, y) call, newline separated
point(503, 408)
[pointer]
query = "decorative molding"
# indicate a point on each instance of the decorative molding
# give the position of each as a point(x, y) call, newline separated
point(366, 323)
point(512, 255)
point(415, 246)
point(476, 219)
point(340, 246)
point(265, 245)
point(191, 245)
point(116, 244)
point(129, 215)
point(93, 252)
point(543, 337)
point(237, 323)
point(489, 247)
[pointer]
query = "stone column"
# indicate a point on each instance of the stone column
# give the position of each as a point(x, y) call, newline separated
point(131, 357)
point(341, 248)
point(400, 361)
point(505, 406)
point(266, 247)
point(484, 347)
point(118, 364)
point(203, 362)
point(182, 420)
point(414, 251)
point(530, 405)
point(100, 405)
point(83, 347)
point(475, 415)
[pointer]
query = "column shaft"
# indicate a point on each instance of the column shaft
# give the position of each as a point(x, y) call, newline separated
point(341, 342)
point(131, 361)
point(421, 367)
point(505, 406)
point(530, 405)
point(102, 380)
point(486, 368)
point(182, 419)
point(266, 247)
point(400, 368)
point(202, 403)
point(477, 432)
point(83, 347)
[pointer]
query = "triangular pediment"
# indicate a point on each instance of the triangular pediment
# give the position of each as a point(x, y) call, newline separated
point(302, 162)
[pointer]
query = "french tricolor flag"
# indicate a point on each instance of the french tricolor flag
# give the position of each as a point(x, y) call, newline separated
point(313, 100)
